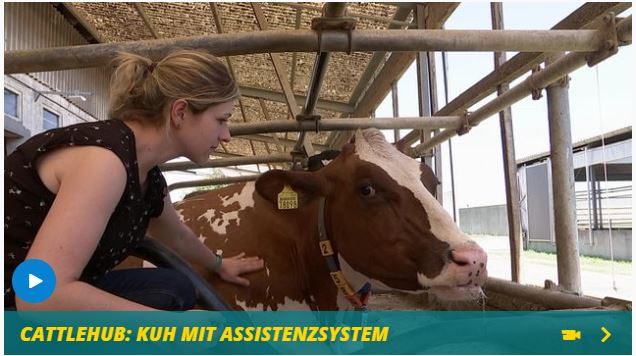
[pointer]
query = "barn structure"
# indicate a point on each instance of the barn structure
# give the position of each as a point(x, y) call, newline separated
point(310, 73)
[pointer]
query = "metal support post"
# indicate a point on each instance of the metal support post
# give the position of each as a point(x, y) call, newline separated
point(508, 152)
point(423, 83)
point(396, 109)
point(564, 200)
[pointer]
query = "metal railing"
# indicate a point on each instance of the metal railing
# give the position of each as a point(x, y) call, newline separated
point(613, 204)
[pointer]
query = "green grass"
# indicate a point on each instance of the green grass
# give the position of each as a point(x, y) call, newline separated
point(593, 264)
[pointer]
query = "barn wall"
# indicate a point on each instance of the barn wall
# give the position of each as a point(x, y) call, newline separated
point(40, 25)
point(600, 246)
point(484, 220)
point(493, 220)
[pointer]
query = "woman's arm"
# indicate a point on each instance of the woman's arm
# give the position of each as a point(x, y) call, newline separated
point(89, 182)
point(169, 229)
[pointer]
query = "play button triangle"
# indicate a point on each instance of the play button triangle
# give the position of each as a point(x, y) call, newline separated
point(34, 281)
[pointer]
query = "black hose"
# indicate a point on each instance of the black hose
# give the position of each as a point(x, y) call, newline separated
point(156, 253)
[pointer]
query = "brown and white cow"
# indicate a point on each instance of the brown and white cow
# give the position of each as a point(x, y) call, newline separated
point(384, 224)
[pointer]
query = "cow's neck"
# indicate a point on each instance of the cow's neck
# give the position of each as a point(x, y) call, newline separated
point(315, 278)
point(320, 282)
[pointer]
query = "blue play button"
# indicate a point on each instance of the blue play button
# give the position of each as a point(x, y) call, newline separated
point(33, 281)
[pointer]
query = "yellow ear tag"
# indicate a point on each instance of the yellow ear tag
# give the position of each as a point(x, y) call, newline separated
point(287, 199)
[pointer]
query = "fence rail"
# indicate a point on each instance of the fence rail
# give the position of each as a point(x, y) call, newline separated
point(613, 203)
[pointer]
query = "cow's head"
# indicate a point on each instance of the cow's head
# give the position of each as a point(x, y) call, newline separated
point(384, 221)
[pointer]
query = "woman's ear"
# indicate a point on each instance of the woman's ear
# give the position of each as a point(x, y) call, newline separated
point(178, 110)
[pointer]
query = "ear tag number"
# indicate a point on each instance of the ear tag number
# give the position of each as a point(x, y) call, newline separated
point(287, 199)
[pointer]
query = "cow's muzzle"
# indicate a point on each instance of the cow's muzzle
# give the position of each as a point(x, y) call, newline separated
point(463, 276)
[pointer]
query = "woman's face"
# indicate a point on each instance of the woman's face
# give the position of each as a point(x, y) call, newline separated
point(202, 133)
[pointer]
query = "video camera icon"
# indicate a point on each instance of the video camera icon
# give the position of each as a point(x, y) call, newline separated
point(571, 335)
point(33, 281)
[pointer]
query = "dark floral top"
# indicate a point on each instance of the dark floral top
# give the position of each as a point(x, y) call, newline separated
point(27, 200)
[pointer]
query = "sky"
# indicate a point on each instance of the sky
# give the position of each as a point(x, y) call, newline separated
point(600, 101)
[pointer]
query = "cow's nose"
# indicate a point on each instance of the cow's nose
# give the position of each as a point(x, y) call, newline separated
point(471, 262)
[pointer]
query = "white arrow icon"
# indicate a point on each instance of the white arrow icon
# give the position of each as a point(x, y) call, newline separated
point(34, 281)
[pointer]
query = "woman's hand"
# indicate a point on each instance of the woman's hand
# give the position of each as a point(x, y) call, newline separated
point(232, 267)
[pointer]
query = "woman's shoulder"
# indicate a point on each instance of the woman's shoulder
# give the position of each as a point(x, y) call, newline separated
point(113, 135)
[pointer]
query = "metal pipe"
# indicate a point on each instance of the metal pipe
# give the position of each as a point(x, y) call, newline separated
point(544, 297)
point(541, 79)
point(423, 82)
point(450, 143)
point(212, 181)
point(225, 162)
point(315, 84)
point(564, 199)
point(611, 245)
point(396, 109)
point(586, 15)
point(278, 141)
point(345, 124)
point(335, 9)
point(271, 95)
point(278, 41)
point(508, 153)
point(331, 10)
point(589, 198)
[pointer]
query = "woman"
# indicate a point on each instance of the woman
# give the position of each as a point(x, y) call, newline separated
point(81, 197)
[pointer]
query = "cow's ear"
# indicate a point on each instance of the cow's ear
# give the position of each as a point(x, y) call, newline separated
point(401, 146)
point(307, 185)
point(429, 179)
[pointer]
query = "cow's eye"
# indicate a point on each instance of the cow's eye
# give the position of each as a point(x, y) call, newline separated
point(367, 191)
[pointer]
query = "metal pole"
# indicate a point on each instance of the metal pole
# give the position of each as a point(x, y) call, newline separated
point(278, 41)
point(396, 109)
point(226, 162)
point(564, 199)
point(508, 153)
point(344, 124)
point(303, 145)
point(586, 15)
point(589, 198)
point(213, 181)
point(423, 82)
point(612, 255)
point(560, 68)
point(595, 207)
point(599, 191)
point(331, 9)
point(450, 143)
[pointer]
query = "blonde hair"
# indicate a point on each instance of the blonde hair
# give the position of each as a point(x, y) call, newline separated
point(140, 89)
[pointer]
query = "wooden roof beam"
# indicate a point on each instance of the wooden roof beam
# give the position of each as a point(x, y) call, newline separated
point(219, 29)
point(281, 73)
point(299, 13)
point(394, 21)
point(279, 67)
point(261, 102)
point(146, 19)
point(376, 60)
point(270, 95)
point(278, 140)
point(81, 22)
